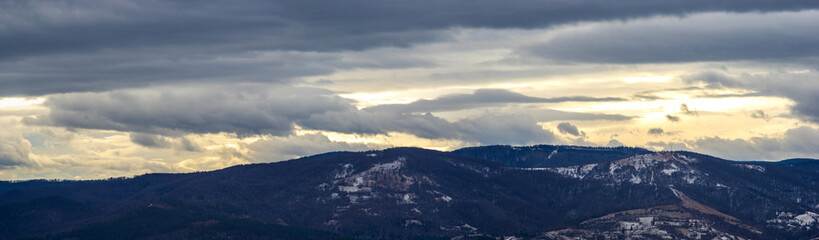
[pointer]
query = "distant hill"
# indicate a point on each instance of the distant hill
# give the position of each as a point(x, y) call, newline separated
point(801, 163)
point(548, 155)
point(538, 192)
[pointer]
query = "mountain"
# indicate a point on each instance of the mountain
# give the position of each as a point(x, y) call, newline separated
point(548, 155)
point(538, 192)
point(801, 163)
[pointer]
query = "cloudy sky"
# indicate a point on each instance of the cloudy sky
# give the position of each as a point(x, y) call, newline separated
point(101, 88)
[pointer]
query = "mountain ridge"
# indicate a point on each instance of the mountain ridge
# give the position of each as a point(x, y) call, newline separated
point(410, 193)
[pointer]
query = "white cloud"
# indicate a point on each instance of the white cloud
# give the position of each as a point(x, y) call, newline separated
point(294, 146)
point(796, 142)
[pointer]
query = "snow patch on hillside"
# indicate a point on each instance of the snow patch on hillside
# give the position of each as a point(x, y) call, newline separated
point(552, 153)
point(753, 167)
point(346, 170)
point(641, 169)
point(579, 171)
point(788, 220)
point(640, 162)
point(635, 179)
point(672, 169)
point(363, 181)
point(391, 166)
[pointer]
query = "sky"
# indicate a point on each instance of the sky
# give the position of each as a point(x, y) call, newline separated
point(109, 88)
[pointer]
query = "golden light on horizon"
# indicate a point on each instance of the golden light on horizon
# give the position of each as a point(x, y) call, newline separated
point(20, 102)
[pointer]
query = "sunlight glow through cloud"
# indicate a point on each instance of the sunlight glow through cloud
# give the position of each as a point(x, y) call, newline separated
point(20, 102)
point(181, 98)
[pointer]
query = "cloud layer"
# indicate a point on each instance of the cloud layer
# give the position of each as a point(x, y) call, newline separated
point(96, 88)
point(796, 141)
point(241, 110)
point(76, 46)
point(277, 110)
point(801, 87)
point(14, 150)
point(706, 37)
point(481, 98)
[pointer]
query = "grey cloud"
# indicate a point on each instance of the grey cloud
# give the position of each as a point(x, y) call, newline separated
point(651, 94)
point(185, 144)
point(614, 143)
point(568, 128)
point(275, 110)
point(656, 131)
point(726, 95)
point(39, 27)
point(122, 68)
point(796, 142)
point(480, 98)
point(362, 122)
point(245, 111)
point(672, 118)
point(284, 148)
point(684, 109)
point(78, 46)
point(712, 79)
point(321, 82)
point(516, 129)
point(647, 97)
point(712, 37)
point(484, 129)
point(760, 114)
point(800, 87)
point(158, 141)
point(802, 139)
point(149, 140)
point(14, 150)
point(548, 115)
point(669, 146)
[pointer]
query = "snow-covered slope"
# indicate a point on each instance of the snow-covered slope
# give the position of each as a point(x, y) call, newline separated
point(662, 168)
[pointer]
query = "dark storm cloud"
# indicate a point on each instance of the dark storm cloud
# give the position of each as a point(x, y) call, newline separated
point(480, 98)
point(74, 46)
point(712, 37)
point(800, 87)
